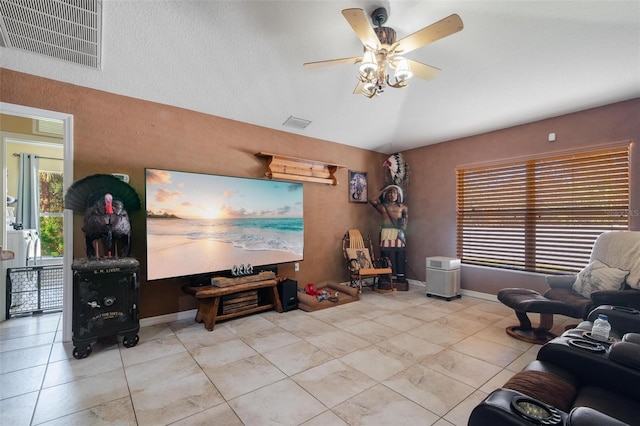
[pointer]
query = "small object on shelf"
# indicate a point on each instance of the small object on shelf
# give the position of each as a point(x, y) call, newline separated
point(299, 169)
point(241, 270)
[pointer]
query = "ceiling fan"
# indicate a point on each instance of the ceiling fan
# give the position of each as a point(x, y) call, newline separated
point(382, 51)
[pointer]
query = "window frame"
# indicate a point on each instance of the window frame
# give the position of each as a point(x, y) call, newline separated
point(504, 221)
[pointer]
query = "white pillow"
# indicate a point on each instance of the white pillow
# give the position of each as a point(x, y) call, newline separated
point(599, 276)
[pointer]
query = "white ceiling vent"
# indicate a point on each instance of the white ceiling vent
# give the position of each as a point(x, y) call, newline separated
point(70, 30)
point(296, 123)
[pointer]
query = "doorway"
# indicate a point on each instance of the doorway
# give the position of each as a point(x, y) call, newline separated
point(67, 129)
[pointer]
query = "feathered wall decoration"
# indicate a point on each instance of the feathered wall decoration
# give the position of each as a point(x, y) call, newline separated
point(396, 172)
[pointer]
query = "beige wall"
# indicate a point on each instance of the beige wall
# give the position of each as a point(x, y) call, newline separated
point(432, 190)
point(117, 134)
point(13, 124)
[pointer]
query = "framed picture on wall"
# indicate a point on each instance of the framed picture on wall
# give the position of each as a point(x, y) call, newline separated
point(358, 187)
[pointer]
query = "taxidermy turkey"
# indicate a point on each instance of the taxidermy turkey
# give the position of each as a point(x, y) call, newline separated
point(104, 200)
point(107, 220)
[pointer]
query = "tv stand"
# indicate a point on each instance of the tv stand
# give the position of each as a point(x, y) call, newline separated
point(214, 303)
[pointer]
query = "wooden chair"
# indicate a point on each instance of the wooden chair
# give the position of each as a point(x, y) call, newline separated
point(362, 264)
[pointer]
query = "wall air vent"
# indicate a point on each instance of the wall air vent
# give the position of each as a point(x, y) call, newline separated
point(48, 127)
point(70, 30)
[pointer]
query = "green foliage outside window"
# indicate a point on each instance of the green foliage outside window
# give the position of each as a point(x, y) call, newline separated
point(51, 236)
point(51, 208)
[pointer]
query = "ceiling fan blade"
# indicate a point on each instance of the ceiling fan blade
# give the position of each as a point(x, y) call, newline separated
point(423, 71)
point(318, 64)
point(363, 29)
point(443, 28)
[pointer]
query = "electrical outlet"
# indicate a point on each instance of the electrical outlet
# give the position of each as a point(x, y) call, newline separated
point(296, 267)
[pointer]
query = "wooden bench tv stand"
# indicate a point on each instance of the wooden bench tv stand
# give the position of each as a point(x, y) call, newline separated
point(211, 301)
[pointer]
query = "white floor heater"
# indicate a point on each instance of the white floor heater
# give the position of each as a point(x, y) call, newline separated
point(443, 277)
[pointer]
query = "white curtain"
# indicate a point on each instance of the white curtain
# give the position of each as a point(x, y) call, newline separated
point(28, 211)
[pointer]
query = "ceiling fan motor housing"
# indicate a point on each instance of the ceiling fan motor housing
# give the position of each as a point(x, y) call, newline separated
point(386, 35)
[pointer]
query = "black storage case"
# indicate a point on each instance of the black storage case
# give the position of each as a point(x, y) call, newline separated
point(105, 302)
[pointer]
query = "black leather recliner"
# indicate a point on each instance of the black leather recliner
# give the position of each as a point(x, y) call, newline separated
point(574, 381)
point(616, 250)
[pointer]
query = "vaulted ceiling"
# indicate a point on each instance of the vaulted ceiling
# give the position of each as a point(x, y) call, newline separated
point(514, 62)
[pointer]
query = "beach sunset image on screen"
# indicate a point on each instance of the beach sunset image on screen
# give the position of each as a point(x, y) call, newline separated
point(201, 223)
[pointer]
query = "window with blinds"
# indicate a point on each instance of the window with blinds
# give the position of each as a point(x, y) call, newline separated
point(541, 215)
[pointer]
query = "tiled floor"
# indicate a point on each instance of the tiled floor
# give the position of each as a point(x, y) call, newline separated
point(398, 358)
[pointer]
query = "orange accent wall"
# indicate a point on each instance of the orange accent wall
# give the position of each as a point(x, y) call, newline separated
point(118, 134)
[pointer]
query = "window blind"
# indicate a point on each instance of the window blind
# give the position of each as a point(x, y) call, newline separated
point(541, 215)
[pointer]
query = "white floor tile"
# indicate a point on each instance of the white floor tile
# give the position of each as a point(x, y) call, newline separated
point(397, 358)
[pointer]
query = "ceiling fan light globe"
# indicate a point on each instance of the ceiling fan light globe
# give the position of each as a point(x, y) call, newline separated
point(369, 63)
point(403, 75)
point(368, 71)
point(403, 70)
point(368, 89)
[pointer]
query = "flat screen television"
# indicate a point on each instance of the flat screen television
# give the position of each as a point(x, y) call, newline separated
point(202, 223)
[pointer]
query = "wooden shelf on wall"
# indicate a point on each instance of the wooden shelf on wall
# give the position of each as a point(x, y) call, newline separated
point(299, 169)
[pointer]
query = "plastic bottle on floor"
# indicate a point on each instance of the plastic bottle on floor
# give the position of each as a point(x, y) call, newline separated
point(601, 328)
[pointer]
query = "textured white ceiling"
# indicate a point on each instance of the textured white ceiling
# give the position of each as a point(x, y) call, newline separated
point(514, 62)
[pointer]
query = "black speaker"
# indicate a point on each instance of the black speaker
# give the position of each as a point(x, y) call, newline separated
point(288, 292)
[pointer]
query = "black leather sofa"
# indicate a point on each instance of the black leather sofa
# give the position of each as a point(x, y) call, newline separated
point(575, 380)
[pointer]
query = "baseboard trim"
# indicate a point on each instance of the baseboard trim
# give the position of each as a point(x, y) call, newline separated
point(163, 319)
point(468, 293)
point(191, 314)
point(417, 283)
point(479, 295)
point(410, 281)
